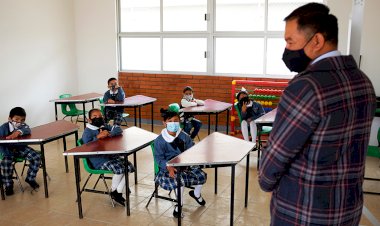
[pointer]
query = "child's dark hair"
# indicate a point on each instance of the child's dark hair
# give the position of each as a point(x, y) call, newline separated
point(166, 114)
point(187, 88)
point(19, 111)
point(111, 79)
point(92, 110)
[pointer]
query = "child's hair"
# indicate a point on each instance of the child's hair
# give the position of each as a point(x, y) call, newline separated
point(167, 114)
point(111, 79)
point(187, 88)
point(19, 111)
point(92, 110)
point(241, 92)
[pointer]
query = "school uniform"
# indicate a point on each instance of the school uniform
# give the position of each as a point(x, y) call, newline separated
point(10, 152)
point(114, 113)
point(105, 162)
point(190, 121)
point(254, 111)
point(167, 147)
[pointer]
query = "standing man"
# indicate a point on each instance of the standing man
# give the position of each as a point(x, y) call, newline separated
point(314, 162)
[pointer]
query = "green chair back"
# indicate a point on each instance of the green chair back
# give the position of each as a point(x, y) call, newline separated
point(69, 109)
point(87, 166)
point(101, 101)
point(264, 130)
point(156, 168)
point(374, 151)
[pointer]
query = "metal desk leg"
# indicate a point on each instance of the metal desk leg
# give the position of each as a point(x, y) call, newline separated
point(84, 115)
point(126, 174)
point(209, 118)
point(77, 179)
point(259, 129)
point(44, 170)
point(152, 116)
point(56, 111)
point(135, 115)
point(76, 144)
point(216, 180)
point(135, 164)
point(64, 149)
point(140, 116)
point(227, 120)
point(216, 122)
point(93, 104)
point(246, 182)
point(179, 195)
point(232, 195)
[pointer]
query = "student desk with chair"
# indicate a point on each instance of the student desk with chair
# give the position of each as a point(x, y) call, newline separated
point(79, 99)
point(43, 134)
point(135, 102)
point(132, 140)
point(216, 150)
point(265, 120)
point(211, 107)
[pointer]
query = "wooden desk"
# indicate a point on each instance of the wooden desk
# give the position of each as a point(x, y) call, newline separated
point(132, 140)
point(43, 134)
point(216, 150)
point(79, 99)
point(265, 120)
point(211, 107)
point(135, 102)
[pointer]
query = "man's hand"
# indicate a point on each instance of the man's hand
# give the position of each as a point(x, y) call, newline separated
point(14, 135)
point(172, 171)
point(103, 134)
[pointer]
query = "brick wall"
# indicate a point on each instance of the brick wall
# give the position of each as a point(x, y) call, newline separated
point(167, 88)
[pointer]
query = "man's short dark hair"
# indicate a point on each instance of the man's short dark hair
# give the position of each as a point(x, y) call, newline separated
point(19, 111)
point(315, 18)
point(111, 79)
point(92, 110)
point(187, 88)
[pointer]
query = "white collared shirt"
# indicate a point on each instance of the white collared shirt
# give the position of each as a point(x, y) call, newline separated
point(333, 53)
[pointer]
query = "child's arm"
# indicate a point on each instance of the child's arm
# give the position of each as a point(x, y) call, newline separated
point(159, 156)
point(199, 102)
point(24, 129)
point(106, 97)
point(87, 137)
point(120, 94)
point(185, 103)
point(114, 130)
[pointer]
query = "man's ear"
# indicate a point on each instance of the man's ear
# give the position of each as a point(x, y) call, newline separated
point(318, 42)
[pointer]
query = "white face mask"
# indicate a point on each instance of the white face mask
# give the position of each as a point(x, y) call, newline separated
point(188, 97)
point(16, 124)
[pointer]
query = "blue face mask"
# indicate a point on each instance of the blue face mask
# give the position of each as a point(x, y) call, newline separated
point(172, 127)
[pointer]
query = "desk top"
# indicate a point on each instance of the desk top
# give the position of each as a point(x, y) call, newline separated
point(45, 132)
point(215, 149)
point(132, 139)
point(211, 106)
point(79, 98)
point(133, 101)
point(267, 118)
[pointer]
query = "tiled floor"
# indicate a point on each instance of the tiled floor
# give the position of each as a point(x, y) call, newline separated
point(61, 209)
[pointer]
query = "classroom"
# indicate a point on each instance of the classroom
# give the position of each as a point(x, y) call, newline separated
point(179, 63)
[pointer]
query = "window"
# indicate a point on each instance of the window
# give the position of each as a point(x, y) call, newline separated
point(223, 37)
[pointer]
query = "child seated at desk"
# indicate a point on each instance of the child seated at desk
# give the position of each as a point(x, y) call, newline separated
point(170, 143)
point(16, 127)
point(115, 93)
point(97, 129)
point(190, 121)
point(249, 111)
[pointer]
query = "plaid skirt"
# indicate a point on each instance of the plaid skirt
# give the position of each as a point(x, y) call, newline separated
point(189, 177)
point(116, 165)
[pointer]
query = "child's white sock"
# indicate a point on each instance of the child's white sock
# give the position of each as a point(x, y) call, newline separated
point(197, 190)
point(120, 187)
point(116, 178)
point(182, 190)
point(253, 128)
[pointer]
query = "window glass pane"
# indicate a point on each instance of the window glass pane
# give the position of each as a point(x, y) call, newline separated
point(239, 15)
point(279, 9)
point(239, 55)
point(139, 15)
point(275, 65)
point(184, 15)
point(184, 54)
point(140, 54)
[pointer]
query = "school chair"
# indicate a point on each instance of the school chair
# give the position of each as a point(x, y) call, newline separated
point(156, 185)
point(15, 176)
point(70, 110)
point(101, 174)
point(374, 151)
point(27, 164)
point(124, 116)
point(265, 130)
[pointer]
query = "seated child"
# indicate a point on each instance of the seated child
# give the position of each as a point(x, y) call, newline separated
point(12, 129)
point(249, 111)
point(188, 100)
point(97, 129)
point(170, 143)
point(115, 93)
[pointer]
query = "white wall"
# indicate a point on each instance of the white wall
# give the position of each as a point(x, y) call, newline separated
point(37, 57)
point(96, 43)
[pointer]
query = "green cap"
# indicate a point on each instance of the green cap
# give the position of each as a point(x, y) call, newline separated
point(174, 107)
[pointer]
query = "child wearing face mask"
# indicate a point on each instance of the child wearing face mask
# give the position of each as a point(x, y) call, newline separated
point(170, 143)
point(98, 129)
point(249, 111)
point(16, 127)
point(114, 94)
point(190, 121)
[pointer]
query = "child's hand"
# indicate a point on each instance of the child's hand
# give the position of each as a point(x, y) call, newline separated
point(103, 134)
point(244, 107)
point(14, 135)
point(172, 171)
point(110, 101)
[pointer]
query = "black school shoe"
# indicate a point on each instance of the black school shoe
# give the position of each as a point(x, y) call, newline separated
point(199, 200)
point(9, 190)
point(175, 212)
point(118, 197)
point(32, 183)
